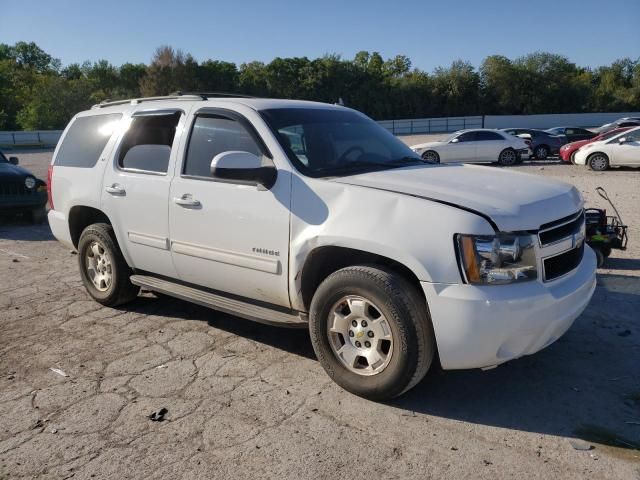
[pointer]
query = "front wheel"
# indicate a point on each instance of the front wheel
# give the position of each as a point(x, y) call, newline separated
point(103, 269)
point(598, 162)
point(38, 215)
point(431, 156)
point(508, 157)
point(572, 158)
point(371, 332)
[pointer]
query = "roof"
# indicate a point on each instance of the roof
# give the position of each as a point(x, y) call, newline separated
point(254, 103)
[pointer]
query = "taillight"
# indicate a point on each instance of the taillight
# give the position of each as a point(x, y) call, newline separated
point(49, 179)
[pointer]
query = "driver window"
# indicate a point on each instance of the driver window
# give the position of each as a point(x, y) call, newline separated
point(211, 135)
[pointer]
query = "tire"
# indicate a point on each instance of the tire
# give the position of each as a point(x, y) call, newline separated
point(508, 157)
point(395, 310)
point(103, 269)
point(38, 215)
point(599, 257)
point(431, 156)
point(598, 162)
point(572, 158)
point(541, 152)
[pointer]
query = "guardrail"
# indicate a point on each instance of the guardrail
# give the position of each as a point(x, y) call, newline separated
point(431, 125)
point(36, 138)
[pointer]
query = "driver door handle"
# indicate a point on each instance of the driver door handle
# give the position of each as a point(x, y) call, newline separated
point(187, 201)
point(115, 189)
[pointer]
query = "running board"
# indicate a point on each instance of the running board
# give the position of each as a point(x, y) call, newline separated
point(223, 304)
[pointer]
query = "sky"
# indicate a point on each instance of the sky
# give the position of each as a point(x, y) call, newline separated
point(431, 33)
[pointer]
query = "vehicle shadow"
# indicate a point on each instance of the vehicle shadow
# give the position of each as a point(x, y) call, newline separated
point(583, 386)
point(17, 227)
point(618, 263)
point(586, 385)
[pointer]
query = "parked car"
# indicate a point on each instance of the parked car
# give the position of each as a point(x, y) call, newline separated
point(310, 215)
point(543, 143)
point(20, 191)
point(621, 122)
point(621, 150)
point(568, 151)
point(572, 134)
point(479, 145)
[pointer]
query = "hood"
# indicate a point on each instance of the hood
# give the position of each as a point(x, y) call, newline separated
point(9, 171)
point(576, 144)
point(428, 145)
point(514, 201)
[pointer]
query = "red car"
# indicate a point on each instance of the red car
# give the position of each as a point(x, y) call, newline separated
point(568, 150)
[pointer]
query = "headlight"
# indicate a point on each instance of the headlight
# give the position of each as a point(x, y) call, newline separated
point(30, 182)
point(497, 259)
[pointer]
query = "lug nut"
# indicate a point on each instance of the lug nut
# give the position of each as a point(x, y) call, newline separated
point(354, 323)
point(364, 323)
point(370, 334)
point(367, 344)
point(351, 333)
point(358, 344)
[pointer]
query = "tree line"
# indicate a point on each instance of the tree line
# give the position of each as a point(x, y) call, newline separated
point(38, 92)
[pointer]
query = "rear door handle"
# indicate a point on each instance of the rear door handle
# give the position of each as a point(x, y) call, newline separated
point(187, 201)
point(115, 189)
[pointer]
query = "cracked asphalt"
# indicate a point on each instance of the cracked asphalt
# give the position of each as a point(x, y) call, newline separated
point(246, 400)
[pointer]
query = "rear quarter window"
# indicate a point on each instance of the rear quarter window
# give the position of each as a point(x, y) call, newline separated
point(86, 139)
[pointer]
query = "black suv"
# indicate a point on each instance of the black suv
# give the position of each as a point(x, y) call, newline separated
point(21, 191)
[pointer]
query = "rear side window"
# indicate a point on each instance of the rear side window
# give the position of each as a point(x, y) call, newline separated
point(211, 135)
point(146, 147)
point(86, 139)
point(488, 136)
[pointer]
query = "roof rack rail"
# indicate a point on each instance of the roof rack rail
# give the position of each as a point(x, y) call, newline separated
point(207, 95)
point(135, 101)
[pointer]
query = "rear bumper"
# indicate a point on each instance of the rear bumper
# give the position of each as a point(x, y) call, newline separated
point(60, 228)
point(483, 326)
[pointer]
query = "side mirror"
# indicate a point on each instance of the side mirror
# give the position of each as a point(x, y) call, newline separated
point(454, 140)
point(13, 160)
point(243, 167)
point(622, 139)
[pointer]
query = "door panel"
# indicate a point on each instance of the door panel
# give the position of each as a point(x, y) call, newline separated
point(136, 190)
point(462, 151)
point(230, 237)
point(627, 153)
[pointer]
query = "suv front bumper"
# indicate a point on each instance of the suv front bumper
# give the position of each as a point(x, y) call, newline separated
point(484, 326)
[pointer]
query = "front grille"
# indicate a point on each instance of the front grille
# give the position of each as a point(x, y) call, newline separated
point(561, 229)
point(563, 263)
point(14, 189)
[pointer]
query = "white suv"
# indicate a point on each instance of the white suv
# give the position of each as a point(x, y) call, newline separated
point(305, 214)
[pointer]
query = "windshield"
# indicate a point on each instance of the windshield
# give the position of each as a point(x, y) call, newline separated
point(608, 135)
point(3, 158)
point(330, 142)
point(555, 131)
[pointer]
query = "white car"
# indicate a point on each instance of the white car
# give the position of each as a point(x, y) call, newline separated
point(480, 145)
point(621, 150)
point(310, 215)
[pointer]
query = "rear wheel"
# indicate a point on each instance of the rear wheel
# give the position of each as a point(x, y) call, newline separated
point(371, 332)
point(431, 156)
point(508, 157)
point(103, 269)
point(599, 257)
point(598, 162)
point(541, 152)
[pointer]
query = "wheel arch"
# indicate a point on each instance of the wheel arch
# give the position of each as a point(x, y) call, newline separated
point(325, 260)
point(80, 217)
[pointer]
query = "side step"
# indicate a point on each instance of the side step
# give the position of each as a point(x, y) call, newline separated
point(221, 303)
